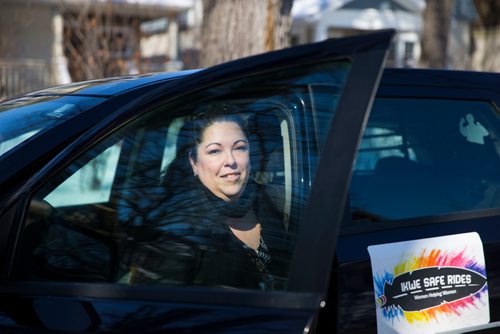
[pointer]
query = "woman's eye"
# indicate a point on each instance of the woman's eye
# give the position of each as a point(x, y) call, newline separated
point(242, 148)
point(214, 151)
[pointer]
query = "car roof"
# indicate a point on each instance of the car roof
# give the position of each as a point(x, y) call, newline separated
point(391, 76)
point(111, 86)
point(441, 78)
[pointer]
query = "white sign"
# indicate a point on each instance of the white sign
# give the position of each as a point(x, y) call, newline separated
point(430, 285)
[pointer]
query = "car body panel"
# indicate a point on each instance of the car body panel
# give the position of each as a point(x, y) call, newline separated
point(355, 281)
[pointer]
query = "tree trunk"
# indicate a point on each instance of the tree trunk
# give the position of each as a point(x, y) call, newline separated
point(435, 32)
point(487, 36)
point(233, 29)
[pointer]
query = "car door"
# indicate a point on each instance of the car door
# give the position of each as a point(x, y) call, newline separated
point(84, 252)
point(426, 170)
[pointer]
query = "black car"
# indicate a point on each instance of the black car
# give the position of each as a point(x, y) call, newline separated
point(383, 185)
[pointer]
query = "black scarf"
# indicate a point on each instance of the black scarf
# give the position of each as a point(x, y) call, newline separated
point(234, 209)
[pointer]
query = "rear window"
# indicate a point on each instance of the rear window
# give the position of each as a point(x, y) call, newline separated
point(423, 157)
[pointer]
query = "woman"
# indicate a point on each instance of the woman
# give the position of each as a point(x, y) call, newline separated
point(212, 233)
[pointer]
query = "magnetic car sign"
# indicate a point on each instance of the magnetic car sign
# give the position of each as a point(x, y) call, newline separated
point(430, 285)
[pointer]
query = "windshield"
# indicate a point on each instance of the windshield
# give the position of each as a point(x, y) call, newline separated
point(22, 118)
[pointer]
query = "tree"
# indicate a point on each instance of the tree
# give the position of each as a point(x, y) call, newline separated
point(435, 33)
point(237, 28)
point(487, 36)
point(98, 42)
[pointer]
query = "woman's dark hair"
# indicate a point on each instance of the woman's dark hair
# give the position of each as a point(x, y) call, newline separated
point(210, 114)
point(178, 176)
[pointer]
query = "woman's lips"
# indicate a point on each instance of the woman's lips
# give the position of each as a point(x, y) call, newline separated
point(231, 176)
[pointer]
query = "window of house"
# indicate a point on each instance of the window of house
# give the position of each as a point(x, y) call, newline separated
point(409, 57)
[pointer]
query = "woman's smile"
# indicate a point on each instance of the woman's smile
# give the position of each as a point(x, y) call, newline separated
point(231, 176)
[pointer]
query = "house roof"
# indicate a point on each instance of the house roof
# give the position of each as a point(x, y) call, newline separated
point(361, 15)
point(409, 5)
point(313, 8)
point(308, 8)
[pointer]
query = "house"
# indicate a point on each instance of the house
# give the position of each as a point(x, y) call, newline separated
point(49, 42)
point(315, 20)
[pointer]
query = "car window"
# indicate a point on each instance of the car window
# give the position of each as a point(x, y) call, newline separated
point(22, 118)
point(93, 181)
point(423, 157)
point(133, 210)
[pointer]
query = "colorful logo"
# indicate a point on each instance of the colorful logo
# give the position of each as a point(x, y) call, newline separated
point(430, 287)
point(430, 284)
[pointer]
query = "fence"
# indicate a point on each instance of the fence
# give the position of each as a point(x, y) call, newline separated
point(22, 76)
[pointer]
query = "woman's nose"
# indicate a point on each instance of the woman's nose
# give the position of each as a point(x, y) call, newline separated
point(229, 159)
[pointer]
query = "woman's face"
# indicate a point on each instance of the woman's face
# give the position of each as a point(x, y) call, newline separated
point(223, 160)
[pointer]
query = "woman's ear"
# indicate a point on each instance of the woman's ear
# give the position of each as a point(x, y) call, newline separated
point(193, 165)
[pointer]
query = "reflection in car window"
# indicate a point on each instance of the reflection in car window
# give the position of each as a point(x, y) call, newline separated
point(426, 157)
point(93, 181)
point(8, 144)
point(151, 220)
point(22, 118)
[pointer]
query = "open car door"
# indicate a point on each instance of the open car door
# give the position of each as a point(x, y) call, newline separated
point(94, 259)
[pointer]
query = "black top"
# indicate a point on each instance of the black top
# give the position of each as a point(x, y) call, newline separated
point(195, 245)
